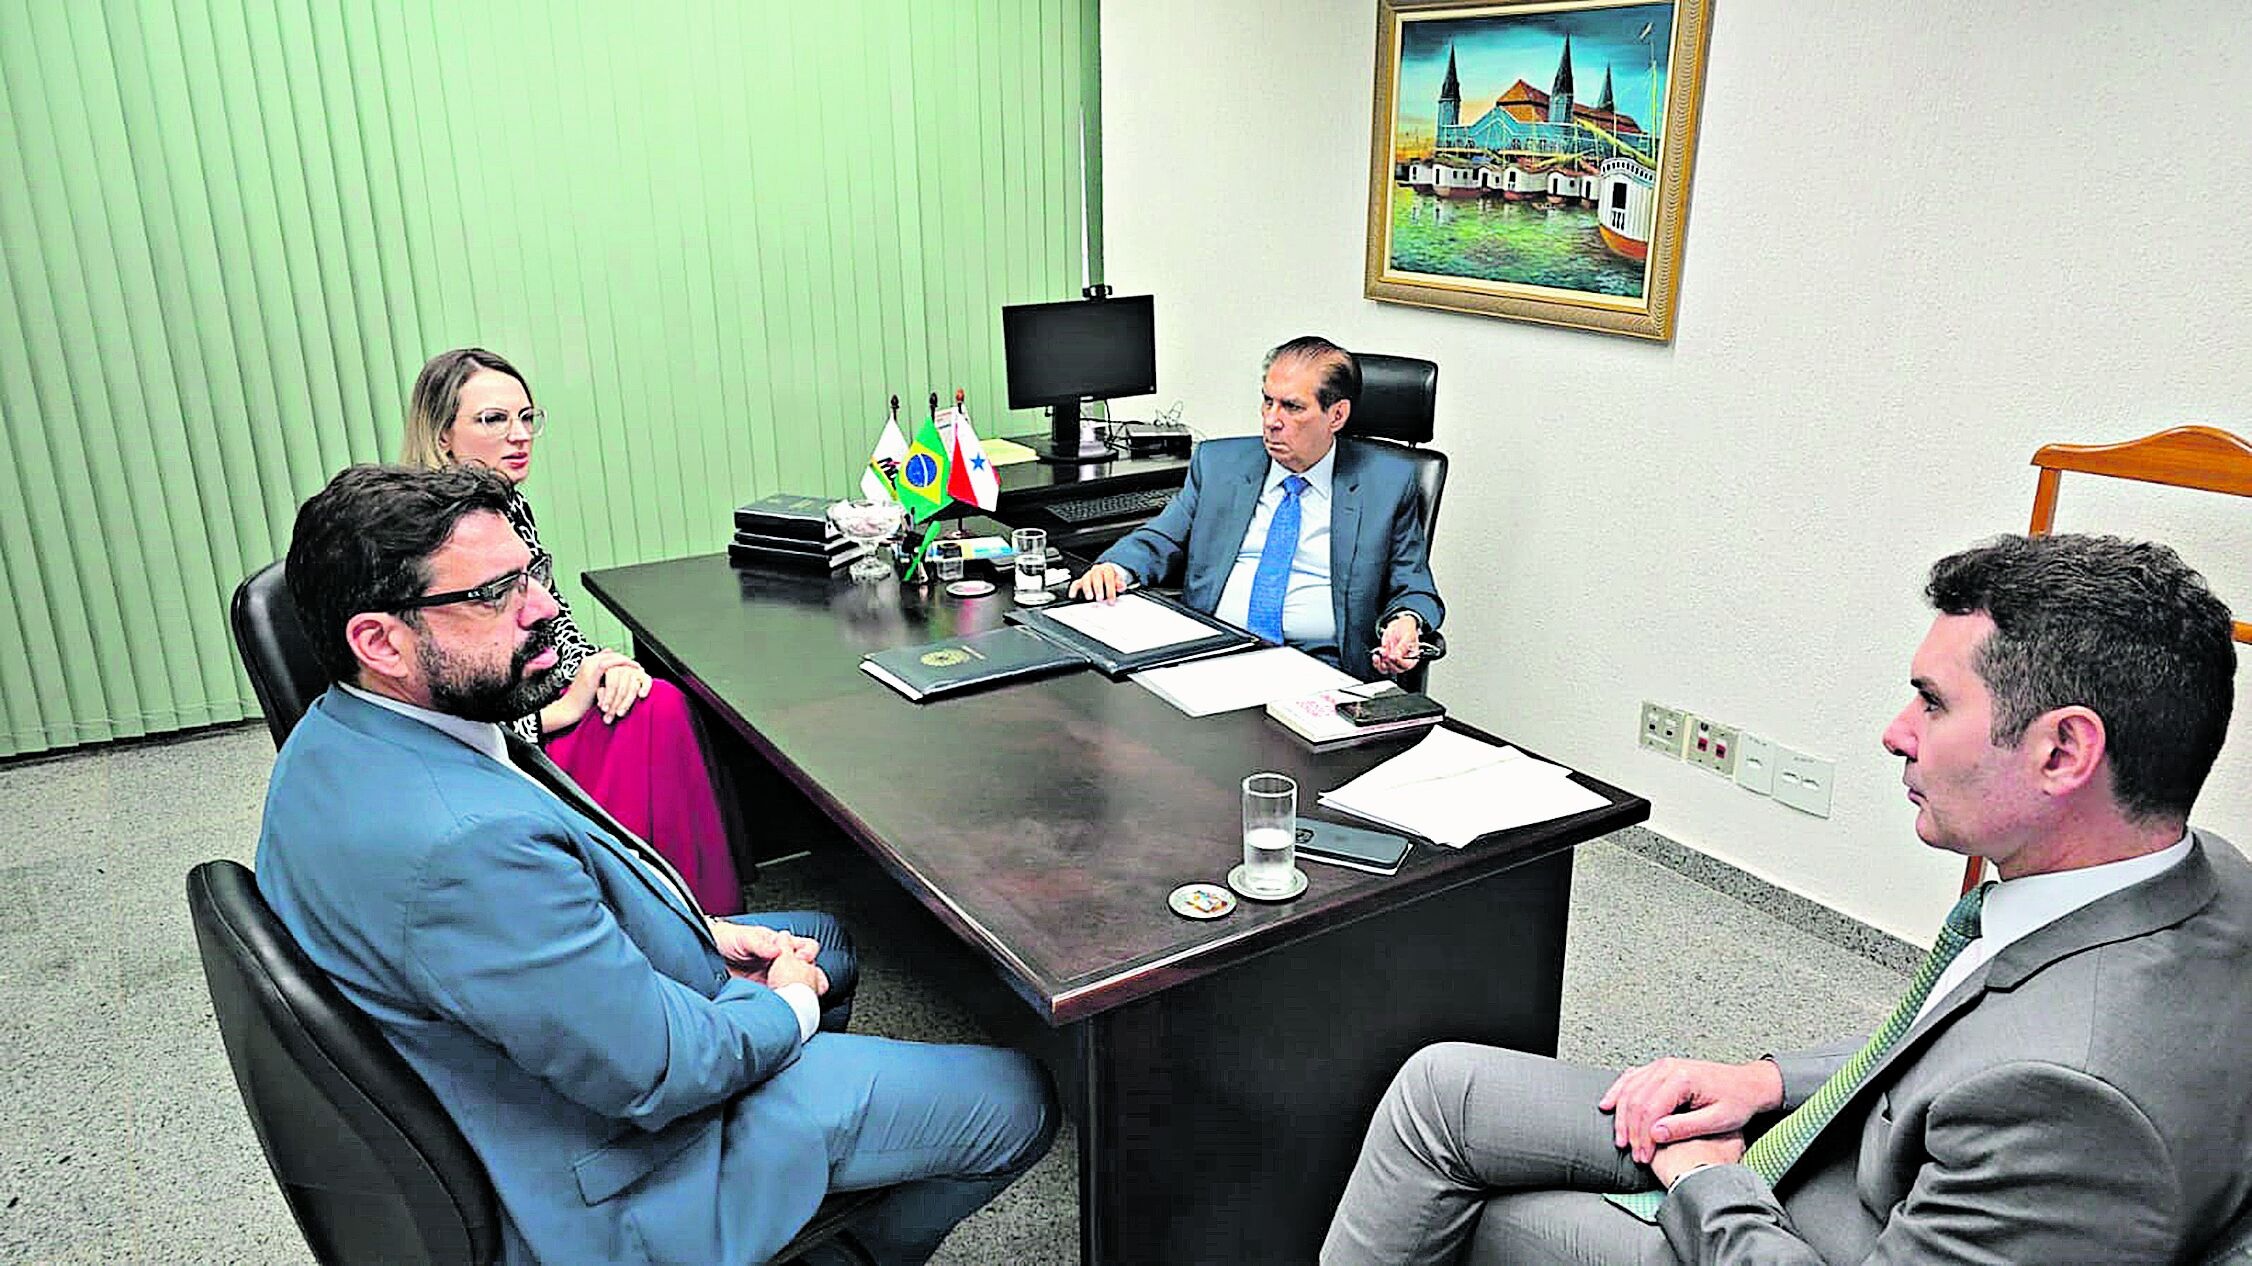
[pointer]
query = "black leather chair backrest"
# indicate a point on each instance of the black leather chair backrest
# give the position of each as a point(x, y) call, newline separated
point(275, 649)
point(370, 1164)
point(1398, 396)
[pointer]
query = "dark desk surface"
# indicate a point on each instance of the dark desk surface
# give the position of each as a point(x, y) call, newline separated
point(1046, 821)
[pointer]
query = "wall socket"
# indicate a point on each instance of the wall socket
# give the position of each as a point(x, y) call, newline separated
point(1663, 729)
point(1711, 745)
point(1803, 782)
point(1755, 765)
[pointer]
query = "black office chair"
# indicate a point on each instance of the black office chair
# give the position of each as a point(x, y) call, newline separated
point(275, 650)
point(372, 1167)
point(1399, 395)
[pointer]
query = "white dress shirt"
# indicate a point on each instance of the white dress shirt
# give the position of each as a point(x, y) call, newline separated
point(1309, 614)
point(486, 737)
point(2017, 908)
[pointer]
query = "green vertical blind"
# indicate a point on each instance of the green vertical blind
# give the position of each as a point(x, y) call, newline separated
point(715, 236)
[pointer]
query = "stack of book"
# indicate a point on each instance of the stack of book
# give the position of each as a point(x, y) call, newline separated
point(791, 531)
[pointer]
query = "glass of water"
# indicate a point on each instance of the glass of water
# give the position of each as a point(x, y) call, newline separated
point(1031, 545)
point(1270, 834)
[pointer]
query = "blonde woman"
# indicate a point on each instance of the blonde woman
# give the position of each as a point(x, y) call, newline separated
point(623, 736)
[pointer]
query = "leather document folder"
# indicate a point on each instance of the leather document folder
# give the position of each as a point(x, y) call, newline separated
point(1139, 630)
point(968, 663)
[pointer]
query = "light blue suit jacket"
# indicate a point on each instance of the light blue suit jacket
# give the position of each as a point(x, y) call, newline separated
point(572, 1015)
point(1379, 560)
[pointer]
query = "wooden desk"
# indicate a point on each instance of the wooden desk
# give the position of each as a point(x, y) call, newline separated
point(1222, 1072)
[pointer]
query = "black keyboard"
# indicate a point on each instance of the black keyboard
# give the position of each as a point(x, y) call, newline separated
point(1118, 505)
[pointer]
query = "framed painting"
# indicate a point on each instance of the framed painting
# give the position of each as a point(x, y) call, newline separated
point(1531, 158)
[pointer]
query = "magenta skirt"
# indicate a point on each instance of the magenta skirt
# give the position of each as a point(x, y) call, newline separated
point(649, 772)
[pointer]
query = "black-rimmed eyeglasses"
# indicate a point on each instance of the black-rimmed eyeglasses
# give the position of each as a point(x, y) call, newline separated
point(495, 594)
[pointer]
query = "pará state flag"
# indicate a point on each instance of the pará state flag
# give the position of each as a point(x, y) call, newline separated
point(922, 473)
point(973, 479)
point(880, 481)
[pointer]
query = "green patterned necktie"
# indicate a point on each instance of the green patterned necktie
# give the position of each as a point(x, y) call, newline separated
point(1779, 1148)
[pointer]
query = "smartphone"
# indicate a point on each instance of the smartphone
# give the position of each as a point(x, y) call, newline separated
point(1396, 706)
point(1378, 852)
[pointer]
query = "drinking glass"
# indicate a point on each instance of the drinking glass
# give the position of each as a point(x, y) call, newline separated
point(1270, 834)
point(1031, 546)
point(949, 561)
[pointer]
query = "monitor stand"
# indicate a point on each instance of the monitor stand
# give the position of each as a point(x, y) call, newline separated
point(1068, 444)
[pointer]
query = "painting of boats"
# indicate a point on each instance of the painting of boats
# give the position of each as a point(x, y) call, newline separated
point(1532, 159)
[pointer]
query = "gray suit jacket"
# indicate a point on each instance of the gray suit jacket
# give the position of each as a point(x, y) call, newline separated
point(2086, 1096)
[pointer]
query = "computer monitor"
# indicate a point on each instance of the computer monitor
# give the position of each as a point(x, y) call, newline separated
point(1060, 354)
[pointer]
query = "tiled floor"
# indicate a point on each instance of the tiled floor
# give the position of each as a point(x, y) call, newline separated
point(123, 1140)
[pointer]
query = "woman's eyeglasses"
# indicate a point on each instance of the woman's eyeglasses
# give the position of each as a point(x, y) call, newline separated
point(499, 422)
point(497, 594)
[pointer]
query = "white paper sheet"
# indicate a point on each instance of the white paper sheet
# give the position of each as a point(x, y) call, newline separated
point(1453, 788)
point(1131, 624)
point(1251, 679)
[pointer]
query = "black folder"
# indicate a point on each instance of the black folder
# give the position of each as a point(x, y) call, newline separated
point(1220, 637)
point(967, 663)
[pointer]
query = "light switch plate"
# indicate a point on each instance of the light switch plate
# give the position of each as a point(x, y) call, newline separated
point(1803, 782)
point(1755, 765)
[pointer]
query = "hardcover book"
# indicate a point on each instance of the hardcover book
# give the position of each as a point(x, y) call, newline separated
point(788, 514)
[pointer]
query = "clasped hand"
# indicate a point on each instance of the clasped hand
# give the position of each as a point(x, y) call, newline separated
point(606, 681)
point(1649, 1122)
point(769, 956)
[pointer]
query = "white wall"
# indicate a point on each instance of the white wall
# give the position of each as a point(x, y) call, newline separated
point(1899, 282)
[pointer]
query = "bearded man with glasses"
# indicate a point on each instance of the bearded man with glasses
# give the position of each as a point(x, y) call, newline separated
point(643, 1082)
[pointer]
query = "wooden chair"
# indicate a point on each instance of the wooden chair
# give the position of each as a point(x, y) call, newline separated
point(2186, 457)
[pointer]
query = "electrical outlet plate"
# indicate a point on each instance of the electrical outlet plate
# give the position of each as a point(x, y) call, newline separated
point(1663, 729)
point(1755, 765)
point(1712, 745)
point(1803, 782)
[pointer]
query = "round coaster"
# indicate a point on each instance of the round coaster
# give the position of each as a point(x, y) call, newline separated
point(1034, 598)
point(1201, 901)
point(1297, 886)
point(970, 588)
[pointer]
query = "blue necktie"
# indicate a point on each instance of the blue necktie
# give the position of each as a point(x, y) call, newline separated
point(1272, 579)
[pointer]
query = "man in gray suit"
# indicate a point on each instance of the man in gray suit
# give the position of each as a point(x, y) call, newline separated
point(2067, 1079)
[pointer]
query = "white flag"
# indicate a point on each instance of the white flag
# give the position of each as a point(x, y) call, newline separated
point(883, 464)
point(972, 478)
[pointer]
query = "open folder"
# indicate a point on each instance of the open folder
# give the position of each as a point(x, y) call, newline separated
point(1134, 631)
point(1451, 788)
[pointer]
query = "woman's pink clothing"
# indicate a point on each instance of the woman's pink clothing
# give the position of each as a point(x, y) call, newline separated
point(648, 770)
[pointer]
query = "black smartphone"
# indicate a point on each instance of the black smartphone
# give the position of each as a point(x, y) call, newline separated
point(1395, 706)
point(1378, 852)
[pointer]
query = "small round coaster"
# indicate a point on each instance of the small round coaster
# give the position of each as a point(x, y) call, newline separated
point(1201, 901)
point(970, 588)
point(1034, 598)
point(1297, 886)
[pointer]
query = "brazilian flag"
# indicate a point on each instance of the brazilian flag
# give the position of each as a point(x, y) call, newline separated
point(923, 472)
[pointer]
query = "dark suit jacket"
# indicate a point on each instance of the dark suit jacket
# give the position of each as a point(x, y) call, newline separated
point(1379, 561)
point(2086, 1096)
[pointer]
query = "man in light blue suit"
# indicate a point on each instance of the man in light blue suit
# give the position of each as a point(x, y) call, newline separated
point(1296, 535)
point(642, 1082)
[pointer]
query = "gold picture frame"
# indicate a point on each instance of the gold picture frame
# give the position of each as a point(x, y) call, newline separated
point(1489, 195)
